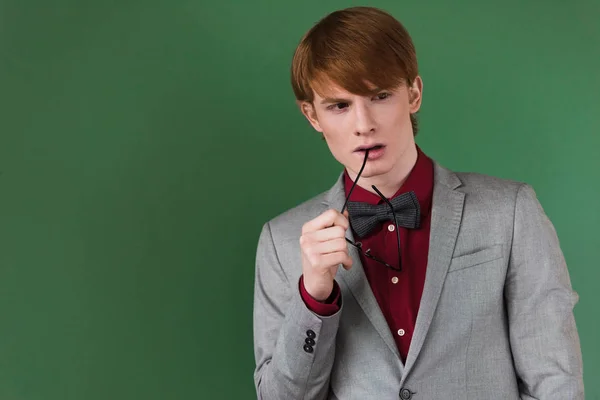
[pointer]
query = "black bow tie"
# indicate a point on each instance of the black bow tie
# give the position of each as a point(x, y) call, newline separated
point(364, 217)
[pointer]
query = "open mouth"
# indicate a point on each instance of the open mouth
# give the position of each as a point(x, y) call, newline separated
point(372, 148)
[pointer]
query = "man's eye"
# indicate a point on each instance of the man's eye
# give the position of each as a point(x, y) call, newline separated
point(383, 96)
point(338, 106)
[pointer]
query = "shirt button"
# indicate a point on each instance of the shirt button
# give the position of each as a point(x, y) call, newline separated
point(401, 332)
point(395, 280)
point(391, 227)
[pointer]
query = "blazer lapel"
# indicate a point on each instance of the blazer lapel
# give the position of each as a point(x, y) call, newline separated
point(356, 280)
point(446, 215)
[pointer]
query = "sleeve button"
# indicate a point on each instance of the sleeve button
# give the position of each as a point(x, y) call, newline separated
point(405, 394)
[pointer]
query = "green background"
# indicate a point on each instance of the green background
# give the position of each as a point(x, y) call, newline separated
point(144, 143)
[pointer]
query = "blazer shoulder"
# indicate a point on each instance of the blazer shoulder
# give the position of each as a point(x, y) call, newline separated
point(489, 185)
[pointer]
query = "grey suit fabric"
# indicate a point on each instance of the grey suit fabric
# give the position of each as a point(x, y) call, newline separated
point(495, 320)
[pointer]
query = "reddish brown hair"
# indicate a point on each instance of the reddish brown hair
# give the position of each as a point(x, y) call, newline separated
point(354, 48)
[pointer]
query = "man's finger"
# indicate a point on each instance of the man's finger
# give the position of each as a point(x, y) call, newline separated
point(329, 218)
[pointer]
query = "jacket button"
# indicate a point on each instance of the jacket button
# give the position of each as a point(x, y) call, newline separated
point(308, 349)
point(405, 394)
point(311, 334)
point(309, 341)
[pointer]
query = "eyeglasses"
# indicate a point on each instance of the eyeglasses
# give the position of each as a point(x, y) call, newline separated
point(358, 245)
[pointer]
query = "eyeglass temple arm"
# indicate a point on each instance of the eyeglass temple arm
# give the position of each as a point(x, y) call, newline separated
point(356, 180)
point(395, 222)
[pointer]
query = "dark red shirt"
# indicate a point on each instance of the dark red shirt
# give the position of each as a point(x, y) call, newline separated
point(398, 293)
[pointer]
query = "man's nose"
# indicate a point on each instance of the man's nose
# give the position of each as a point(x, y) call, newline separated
point(365, 123)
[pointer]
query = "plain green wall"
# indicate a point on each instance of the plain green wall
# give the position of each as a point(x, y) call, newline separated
point(144, 143)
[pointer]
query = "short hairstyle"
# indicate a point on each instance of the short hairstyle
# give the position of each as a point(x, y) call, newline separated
point(353, 48)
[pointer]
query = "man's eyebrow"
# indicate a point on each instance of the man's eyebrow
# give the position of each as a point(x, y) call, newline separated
point(334, 100)
point(327, 100)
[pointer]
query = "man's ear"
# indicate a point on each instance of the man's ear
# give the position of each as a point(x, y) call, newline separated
point(309, 112)
point(415, 94)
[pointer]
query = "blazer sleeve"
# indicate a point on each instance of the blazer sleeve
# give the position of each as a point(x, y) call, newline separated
point(294, 348)
point(540, 301)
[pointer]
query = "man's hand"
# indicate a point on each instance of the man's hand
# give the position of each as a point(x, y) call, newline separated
point(324, 248)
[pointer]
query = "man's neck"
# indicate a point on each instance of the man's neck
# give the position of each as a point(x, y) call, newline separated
point(389, 183)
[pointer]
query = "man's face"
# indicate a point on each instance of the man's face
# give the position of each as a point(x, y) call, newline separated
point(351, 123)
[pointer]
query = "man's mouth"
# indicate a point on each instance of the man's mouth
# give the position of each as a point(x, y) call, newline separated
point(370, 148)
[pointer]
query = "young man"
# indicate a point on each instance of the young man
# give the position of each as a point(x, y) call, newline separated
point(453, 284)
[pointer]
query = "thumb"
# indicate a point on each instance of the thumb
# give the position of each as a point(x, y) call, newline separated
point(345, 214)
point(347, 263)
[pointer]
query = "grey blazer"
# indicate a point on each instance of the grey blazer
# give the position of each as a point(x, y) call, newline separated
point(495, 320)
